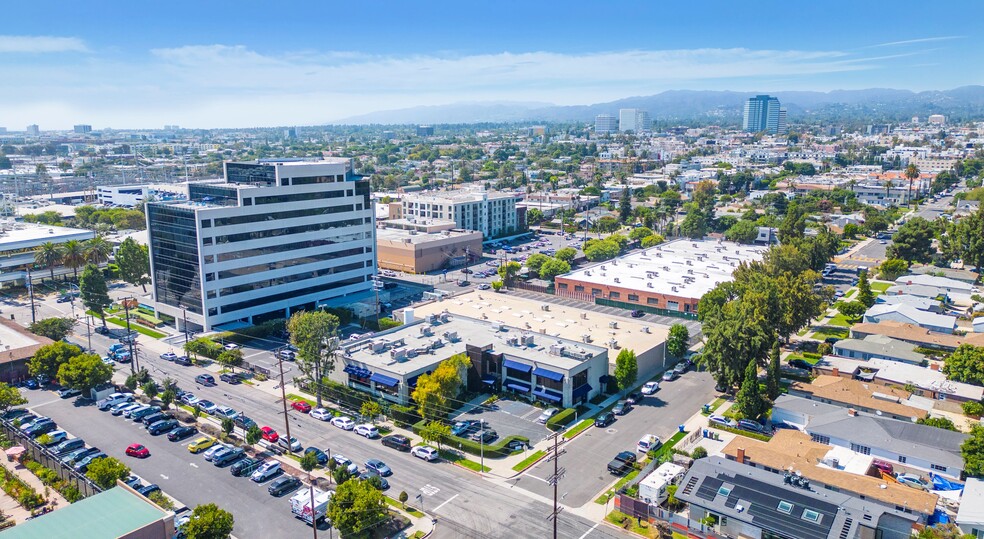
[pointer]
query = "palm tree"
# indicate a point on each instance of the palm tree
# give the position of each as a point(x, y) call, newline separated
point(97, 250)
point(911, 173)
point(49, 256)
point(73, 256)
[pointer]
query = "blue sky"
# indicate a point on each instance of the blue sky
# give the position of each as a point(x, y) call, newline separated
point(236, 64)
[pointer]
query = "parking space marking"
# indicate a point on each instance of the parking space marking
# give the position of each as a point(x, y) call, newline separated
point(445, 502)
point(193, 465)
point(589, 531)
point(430, 490)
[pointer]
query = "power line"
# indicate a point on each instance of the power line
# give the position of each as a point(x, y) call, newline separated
point(554, 479)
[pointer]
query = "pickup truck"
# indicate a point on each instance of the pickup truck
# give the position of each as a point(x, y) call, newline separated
point(622, 463)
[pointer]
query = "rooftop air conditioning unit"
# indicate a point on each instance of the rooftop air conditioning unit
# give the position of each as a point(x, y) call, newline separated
point(451, 336)
point(674, 289)
point(496, 326)
point(445, 317)
point(584, 316)
point(378, 346)
point(603, 266)
point(645, 329)
point(512, 341)
point(544, 307)
point(616, 280)
point(426, 330)
point(528, 340)
point(398, 354)
point(613, 324)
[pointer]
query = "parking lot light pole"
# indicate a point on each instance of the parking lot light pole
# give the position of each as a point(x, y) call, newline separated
point(129, 336)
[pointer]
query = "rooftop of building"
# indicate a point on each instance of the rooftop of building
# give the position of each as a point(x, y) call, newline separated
point(298, 161)
point(916, 334)
point(453, 332)
point(558, 321)
point(882, 345)
point(972, 503)
point(412, 237)
point(901, 373)
point(23, 235)
point(456, 196)
point(111, 513)
point(859, 394)
point(684, 268)
point(793, 450)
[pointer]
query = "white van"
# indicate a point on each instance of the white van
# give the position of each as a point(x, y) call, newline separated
point(647, 443)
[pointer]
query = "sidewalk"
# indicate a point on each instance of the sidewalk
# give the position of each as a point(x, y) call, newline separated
point(10, 506)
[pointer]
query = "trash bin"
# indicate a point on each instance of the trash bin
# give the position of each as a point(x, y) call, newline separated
point(680, 428)
point(707, 408)
point(705, 433)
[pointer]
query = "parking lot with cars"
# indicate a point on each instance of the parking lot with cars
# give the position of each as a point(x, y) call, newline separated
point(508, 417)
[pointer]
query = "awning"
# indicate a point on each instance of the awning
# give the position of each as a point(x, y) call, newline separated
point(581, 391)
point(15, 451)
point(384, 380)
point(351, 369)
point(412, 382)
point(549, 375)
point(490, 380)
point(358, 371)
point(518, 387)
point(515, 365)
point(549, 395)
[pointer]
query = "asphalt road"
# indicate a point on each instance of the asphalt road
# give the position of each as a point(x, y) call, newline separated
point(587, 455)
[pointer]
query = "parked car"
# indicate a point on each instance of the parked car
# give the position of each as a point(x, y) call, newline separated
point(622, 463)
point(230, 378)
point(201, 444)
point(210, 452)
point(669, 376)
point(397, 441)
point(622, 407)
point(321, 414)
point(638, 314)
point(424, 452)
point(244, 422)
point(149, 489)
point(721, 420)
point(190, 399)
point(180, 433)
point(287, 355)
point(749, 425)
point(546, 415)
point(69, 446)
point(149, 420)
point(56, 437)
point(183, 360)
point(634, 397)
point(378, 466)
point(162, 426)
point(318, 454)
point(282, 485)
point(484, 436)
point(883, 466)
point(72, 457)
point(113, 400)
point(301, 406)
point(648, 442)
point(604, 419)
point(226, 457)
point(800, 364)
point(269, 434)
point(169, 356)
point(293, 445)
point(345, 462)
point(138, 415)
point(245, 467)
point(82, 465)
point(68, 392)
point(343, 422)
point(231, 346)
point(206, 406)
point(912, 480)
point(225, 412)
point(374, 478)
point(138, 451)
point(128, 413)
point(681, 368)
point(650, 387)
point(205, 380)
point(367, 430)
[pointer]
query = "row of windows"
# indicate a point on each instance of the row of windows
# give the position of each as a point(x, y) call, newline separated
point(307, 180)
point(260, 234)
point(287, 279)
point(247, 270)
point(300, 197)
point(276, 216)
point(292, 294)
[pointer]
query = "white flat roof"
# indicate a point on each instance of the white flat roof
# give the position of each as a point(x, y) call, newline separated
point(692, 267)
point(972, 504)
point(26, 235)
point(14, 340)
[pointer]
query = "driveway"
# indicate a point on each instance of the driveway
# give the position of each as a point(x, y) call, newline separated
point(510, 417)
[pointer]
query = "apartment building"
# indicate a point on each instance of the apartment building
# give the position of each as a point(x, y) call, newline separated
point(279, 236)
point(491, 213)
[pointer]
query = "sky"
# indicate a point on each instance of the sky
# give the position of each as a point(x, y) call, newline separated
point(217, 63)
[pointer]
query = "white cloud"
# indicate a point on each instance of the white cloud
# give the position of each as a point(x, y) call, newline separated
point(41, 44)
point(920, 40)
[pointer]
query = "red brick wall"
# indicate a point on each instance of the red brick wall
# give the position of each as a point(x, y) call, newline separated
point(623, 294)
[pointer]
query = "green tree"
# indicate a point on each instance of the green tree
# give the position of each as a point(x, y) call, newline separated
point(678, 340)
point(748, 401)
point(98, 249)
point(370, 410)
point(49, 358)
point(965, 364)
point(73, 256)
point(567, 254)
point(48, 255)
point(228, 425)
point(651, 241)
point(552, 268)
point(209, 522)
point(914, 241)
point(85, 372)
point(694, 224)
point(105, 471)
point(962, 240)
point(94, 292)
point(134, 263)
point(865, 295)
point(55, 329)
point(403, 498)
point(699, 452)
point(600, 250)
point(640, 232)
point(973, 452)
point(892, 269)
point(853, 310)
point(9, 397)
point(341, 474)
point(496, 286)
point(626, 369)
point(973, 408)
point(625, 206)
point(536, 260)
point(150, 388)
point(773, 373)
point(231, 358)
point(534, 216)
point(508, 272)
point(742, 232)
point(356, 509)
point(938, 422)
point(167, 397)
point(315, 334)
point(436, 432)
point(434, 390)
point(253, 434)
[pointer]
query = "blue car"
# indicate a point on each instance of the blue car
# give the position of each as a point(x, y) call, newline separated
point(319, 454)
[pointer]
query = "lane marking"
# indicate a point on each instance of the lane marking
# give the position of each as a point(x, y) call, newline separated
point(429, 489)
point(164, 476)
point(445, 503)
point(535, 477)
point(193, 465)
point(589, 530)
point(45, 403)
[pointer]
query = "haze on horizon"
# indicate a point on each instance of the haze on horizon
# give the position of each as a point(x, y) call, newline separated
point(241, 64)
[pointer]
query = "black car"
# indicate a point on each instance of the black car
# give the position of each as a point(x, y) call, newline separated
point(154, 418)
point(622, 463)
point(604, 419)
point(243, 422)
point(638, 314)
point(397, 441)
point(182, 360)
point(230, 378)
point(634, 397)
point(622, 407)
point(160, 427)
point(244, 467)
point(102, 330)
point(146, 491)
point(800, 364)
point(284, 484)
point(180, 433)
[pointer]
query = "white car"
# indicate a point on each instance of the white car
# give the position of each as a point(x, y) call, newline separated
point(484, 286)
point(424, 452)
point(344, 423)
point(345, 462)
point(266, 470)
point(210, 452)
point(169, 356)
point(650, 388)
point(367, 430)
point(321, 414)
point(546, 415)
point(113, 400)
point(231, 346)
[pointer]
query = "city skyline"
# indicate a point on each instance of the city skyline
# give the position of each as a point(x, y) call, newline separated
point(233, 65)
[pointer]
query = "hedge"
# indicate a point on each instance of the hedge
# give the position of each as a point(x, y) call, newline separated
point(259, 331)
point(561, 419)
point(498, 449)
point(404, 416)
point(741, 432)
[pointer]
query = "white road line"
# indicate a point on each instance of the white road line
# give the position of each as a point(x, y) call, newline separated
point(445, 502)
point(589, 531)
point(535, 477)
point(45, 403)
point(193, 465)
point(164, 476)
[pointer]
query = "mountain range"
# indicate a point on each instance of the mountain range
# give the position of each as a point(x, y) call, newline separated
point(874, 104)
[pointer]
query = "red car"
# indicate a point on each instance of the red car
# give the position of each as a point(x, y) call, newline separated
point(301, 406)
point(269, 434)
point(137, 450)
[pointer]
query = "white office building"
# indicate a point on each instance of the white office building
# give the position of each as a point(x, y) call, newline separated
point(635, 120)
point(493, 214)
point(279, 236)
point(606, 123)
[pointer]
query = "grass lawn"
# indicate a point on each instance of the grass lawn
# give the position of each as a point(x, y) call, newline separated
point(528, 461)
point(841, 321)
point(880, 287)
point(296, 397)
point(138, 328)
point(619, 519)
point(472, 465)
point(577, 429)
point(804, 331)
point(833, 331)
point(395, 503)
point(603, 499)
point(714, 406)
point(810, 360)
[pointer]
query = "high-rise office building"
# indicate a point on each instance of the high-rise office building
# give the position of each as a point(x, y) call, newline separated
point(82, 129)
point(606, 123)
point(33, 130)
point(634, 120)
point(277, 237)
point(764, 113)
point(425, 131)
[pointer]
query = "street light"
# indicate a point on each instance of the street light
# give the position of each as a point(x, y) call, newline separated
point(88, 330)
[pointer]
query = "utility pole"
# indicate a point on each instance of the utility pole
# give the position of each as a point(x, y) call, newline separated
point(184, 313)
point(129, 336)
point(554, 479)
point(283, 394)
point(30, 290)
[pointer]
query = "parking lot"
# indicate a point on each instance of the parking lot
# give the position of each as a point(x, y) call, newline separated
point(509, 417)
point(588, 454)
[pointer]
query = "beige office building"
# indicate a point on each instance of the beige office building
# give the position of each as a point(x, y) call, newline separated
point(420, 246)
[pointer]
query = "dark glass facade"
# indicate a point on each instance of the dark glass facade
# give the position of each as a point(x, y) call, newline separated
point(174, 247)
point(250, 173)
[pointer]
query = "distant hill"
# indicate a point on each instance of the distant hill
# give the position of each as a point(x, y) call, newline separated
point(875, 104)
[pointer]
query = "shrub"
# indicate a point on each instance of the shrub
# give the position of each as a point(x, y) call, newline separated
point(698, 453)
point(404, 416)
point(497, 449)
point(561, 419)
point(811, 355)
point(824, 349)
point(973, 408)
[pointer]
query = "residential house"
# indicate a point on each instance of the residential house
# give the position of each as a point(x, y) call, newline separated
point(915, 335)
point(970, 517)
point(919, 302)
point(878, 346)
point(926, 382)
point(940, 323)
point(860, 396)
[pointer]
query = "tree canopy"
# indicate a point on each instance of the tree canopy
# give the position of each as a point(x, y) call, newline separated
point(133, 261)
point(94, 292)
point(105, 471)
point(314, 333)
point(435, 390)
point(914, 241)
point(626, 368)
point(356, 508)
point(50, 357)
point(678, 340)
point(965, 364)
point(84, 372)
point(208, 521)
point(552, 268)
point(55, 329)
point(973, 452)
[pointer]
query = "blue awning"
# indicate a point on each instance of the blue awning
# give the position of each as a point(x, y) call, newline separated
point(515, 365)
point(581, 391)
point(518, 387)
point(357, 371)
point(549, 395)
point(549, 375)
point(384, 380)
point(489, 379)
point(351, 369)
point(412, 382)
